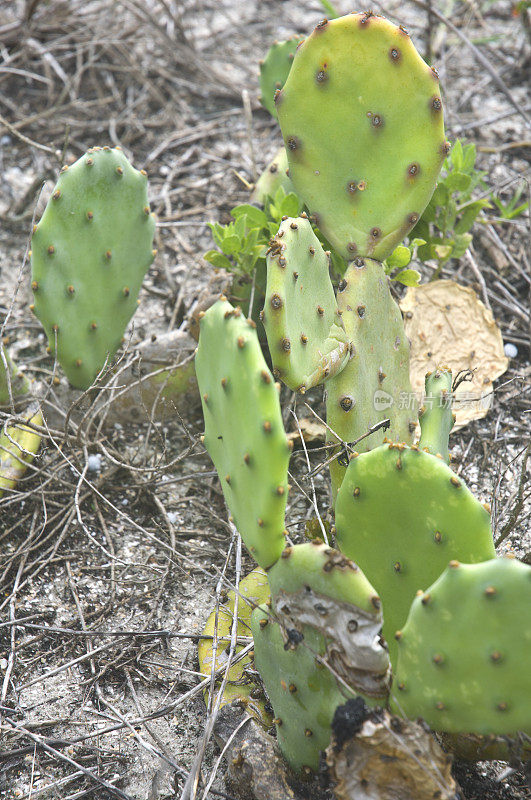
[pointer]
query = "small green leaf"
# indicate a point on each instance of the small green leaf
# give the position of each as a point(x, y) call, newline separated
point(218, 260)
point(461, 243)
point(457, 154)
point(440, 196)
point(230, 245)
point(468, 215)
point(457, 182)
point(450, 215)
point(469, 158)
point(426, 252)
point(255, 216)
point(290, 206)
point(442, 251)
point(218, 231)
point(408, 277)
point(400, 257)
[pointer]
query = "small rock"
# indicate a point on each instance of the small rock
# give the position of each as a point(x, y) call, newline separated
point(94, 463)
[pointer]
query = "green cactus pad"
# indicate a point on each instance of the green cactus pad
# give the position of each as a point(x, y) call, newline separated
point(252, 591)
point(274, 176)
point(375, 383)
point(305, 333)
point(315, 586)
point(244, 433)
point(361, 115)
point(17, 381)
point(402, 514)
point(274, 70)
point(322, 645)
point(90, 252)
point(464, 652)
point(435, 416)
point(18, 447)
point(303, 692)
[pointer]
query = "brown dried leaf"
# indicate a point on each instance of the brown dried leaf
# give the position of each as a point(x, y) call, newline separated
point(386, 758)
point(449, 326)
point(311, 429)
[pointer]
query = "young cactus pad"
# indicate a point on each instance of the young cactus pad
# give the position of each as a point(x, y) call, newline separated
point(376, 379)
point(361, 116)
point(90, 252)
point(274, 70)
point(436, 417)
point(244, 433)
point(315, 586)
point(402, 514)
point(464, 652)
point(274, 176)
point(305, 333)
point(252, 591)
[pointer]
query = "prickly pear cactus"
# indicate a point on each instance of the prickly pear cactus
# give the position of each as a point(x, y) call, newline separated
point(90, 252)
point(375, 383)
point(274, 70)
point(402, 514)
point(319, 644)
point(435, 416)
point(272, 178)
point(16, 380)
point(252, 591)
point(305, 332)
point(463, 654)
point(19, 444)
point(362, 121)
point(244, 433)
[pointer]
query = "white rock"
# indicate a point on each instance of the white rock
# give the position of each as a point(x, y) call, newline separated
point(94, 463)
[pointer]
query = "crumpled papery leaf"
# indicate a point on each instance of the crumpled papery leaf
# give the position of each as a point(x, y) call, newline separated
point(312, 431)
point(449, 326)
point(386, 758)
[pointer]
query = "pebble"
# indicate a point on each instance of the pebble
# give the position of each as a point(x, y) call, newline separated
point(511, 351)
point(94, 463)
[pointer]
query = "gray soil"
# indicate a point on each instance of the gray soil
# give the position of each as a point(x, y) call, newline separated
point(111, 572)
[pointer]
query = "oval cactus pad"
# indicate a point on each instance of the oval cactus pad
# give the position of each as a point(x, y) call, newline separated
point(90, 252)
point(305, 332)
point(464, 652)
point(362, 121)
point(244, 433)
point(402, 515)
